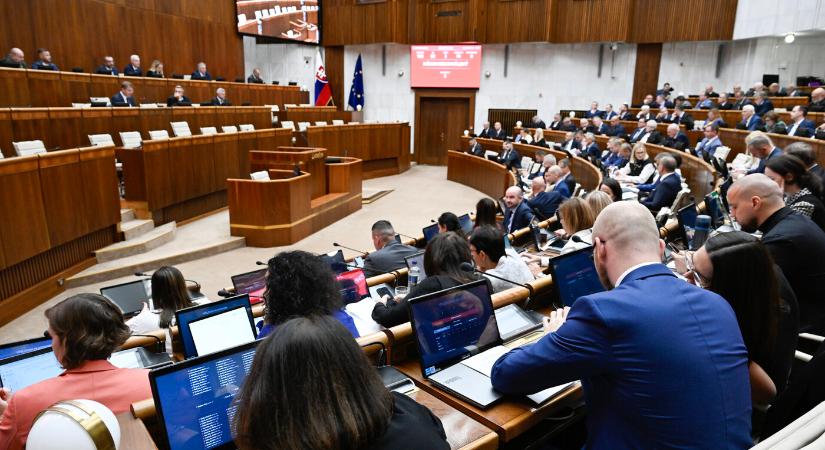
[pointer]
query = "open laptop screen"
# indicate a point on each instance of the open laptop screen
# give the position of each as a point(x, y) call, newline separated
point(129, 297)
point(418, 258)
point(466, 224)
point(353, 285)
point(224, 330)
point(29, 368)
point(430, 232)
point(687, 223)
point(453, 324)
point(574, 275)
point(252, 283)
point(185, 316)
point(29, 345)
point(194, 398)
point(336, 261)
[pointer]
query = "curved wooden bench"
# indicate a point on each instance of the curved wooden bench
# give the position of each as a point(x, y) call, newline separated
point(483, 175)
point(735, 139)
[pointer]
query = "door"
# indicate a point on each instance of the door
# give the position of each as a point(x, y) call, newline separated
point(440, 122)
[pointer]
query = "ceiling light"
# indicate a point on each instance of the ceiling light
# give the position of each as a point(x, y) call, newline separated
point(789, 38)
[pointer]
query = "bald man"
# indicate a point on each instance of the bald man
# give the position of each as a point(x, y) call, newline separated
point(662, 362)
point(554, 176)
point(544, 204)
point(15, 59)
point(796, 243)
point(817, 100)
point(518, 214)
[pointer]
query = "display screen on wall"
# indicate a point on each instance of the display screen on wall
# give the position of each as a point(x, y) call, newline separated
point(287, 20)
point(445, 66)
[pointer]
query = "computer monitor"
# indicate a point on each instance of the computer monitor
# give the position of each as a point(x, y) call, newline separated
point(430, 232)
point(223, 330)
point(418, 259)
point(29, 345)
point(466, 223)
point(27, 369)
point(336, 261)
point(686, 217)
point(194, 398)
point(574, 275)
point(252, 283)
point(185, 316)
point(129, 297)
point(453, 324)
point(535, 233)
point(353, 285)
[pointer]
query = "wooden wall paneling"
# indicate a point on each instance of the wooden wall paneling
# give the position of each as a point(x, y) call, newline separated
point(97, 121)
point(77, 86)
point(446, 21)
point(16, 30)
point(30, 124)
point(225, 159)
point(203, 165)
point(180, 114)
point(205, 116)
point(58, 171)
point(184, 178)
point(107, 86)
point(247, 141)
point(98, 176)
point(134, 173)
point(272, 138)
point(154, 119)
point(199, 91)
point(14, 87)
point(646, 77)
point(154, 90)
point(66, 128)
point(516, 21)
point(59, 26)
point(25, 231)
point(160, 189)
point(346, 22)
point(679, 20)
point(125, 119)
point(334, 60)
point(590, 20)
point(6, 133)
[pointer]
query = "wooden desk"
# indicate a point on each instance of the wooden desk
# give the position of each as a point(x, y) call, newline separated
point(314, 114)
point(384, 148)
point(310, 160)
point(133, 433)
point(488, 177)
point(735, 139)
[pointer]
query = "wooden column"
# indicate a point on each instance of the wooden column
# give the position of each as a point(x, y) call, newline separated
point(646, 79)
point(334, 60)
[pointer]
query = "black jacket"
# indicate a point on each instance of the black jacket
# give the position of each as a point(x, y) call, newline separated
point(412, 426)
point(395, 313)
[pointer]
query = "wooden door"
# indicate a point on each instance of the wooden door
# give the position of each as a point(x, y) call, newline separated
point(440, 122)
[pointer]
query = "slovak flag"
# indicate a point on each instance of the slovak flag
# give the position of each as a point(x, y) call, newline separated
point(323, 93)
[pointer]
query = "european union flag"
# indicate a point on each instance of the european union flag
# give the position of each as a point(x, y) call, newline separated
point(356, 93)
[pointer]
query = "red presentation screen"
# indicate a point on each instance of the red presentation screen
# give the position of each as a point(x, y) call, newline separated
point(445, 66)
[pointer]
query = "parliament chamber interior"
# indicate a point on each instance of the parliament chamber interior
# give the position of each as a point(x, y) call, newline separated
point(412, 224)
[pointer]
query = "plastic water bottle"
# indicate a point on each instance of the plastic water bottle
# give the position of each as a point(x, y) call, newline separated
point(414, 275)
point(700, 233)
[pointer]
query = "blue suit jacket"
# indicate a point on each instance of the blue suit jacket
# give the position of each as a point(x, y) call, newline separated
point(706, 146)
point(661, 361)
point(562, 188)
point(522, 218)
point(117, 100)
point(131, 71)
point(545, 204)
point(761, 167)
point(755, 124)
point(664, 192)
point(197, 76)
point(592, 150)
point(590, 115)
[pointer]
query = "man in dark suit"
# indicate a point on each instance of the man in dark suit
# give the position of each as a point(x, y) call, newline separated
point(593, 112)
point(709, 92)
point(800, 126)
point(710, 143)
point(624, 113)
point(556, 123)
point(680, 117)
point(509, 156)
point(475, 148)
point(108, 67)
point(497, 132)
point(761, 146)
point(591, 148)
point(796, 243)
point(543, 204)
point(485, 132)
point(652, 135)
point(649, 380)
point(774, 90)
point(724, 103)
point(675, 138)
point(389, 254)
point(44, 60)
point(554, 178)
point(15, 59)
point(665, 90)
point(585, 126)
point(616, 128)
point(805, 152)
point(518, 214)
point(570, 144)
point(178, 99)
point(599, 127)
point(567, 175)
point(200, 73)
point(536, 122)
point(667, 187)
point(739, 100)
point(640, 131)
point(817, 100)
point(220, 98)
point(763, 104)
point(609, 113)
point(125, 97)
point(750, 121)
point(133, 68)
point(255, 77)
point(567, 125)
point(662, 101)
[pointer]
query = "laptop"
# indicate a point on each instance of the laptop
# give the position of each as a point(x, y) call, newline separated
point(459, 341)
point(229, 322)
point(29, 345)
point(139, 358)
point(466, 223)
point(686, 218)
point(430, 232)
point(129, 297)
point(195, 398)
point(418, 259)
point(574, 275)
point(353, 285)
point(336, 261)
point(252, 283)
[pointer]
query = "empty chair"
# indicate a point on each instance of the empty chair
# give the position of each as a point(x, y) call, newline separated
point(241, 18)
point(320, 123)
point(260, 176)
point(288, 124)
point(181, 129)
point(158, 134)
point(229, 129)
point(337, 122)
point(302, 126)
point(25, 148)
point(259, 15)
point(265, 13)
point(97, 140)
point(247, 127)
point(209, 130)
point(131, 139)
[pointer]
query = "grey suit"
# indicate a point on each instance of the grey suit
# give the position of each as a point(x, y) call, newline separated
point(391, 257)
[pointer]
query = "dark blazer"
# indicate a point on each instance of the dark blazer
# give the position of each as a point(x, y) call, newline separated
point(817, 170)
point(739, 104)
point(685, 119)
point(555, 125)
point(626, 116)
point(725, 106)
point(646, 385)
point(511, 159)
point(396, 312)
point(500, 135)
point(797, 245)
point(574, 144)
point(132, 71)
point(804, 129)
point(601, 129)
point(764, 108)
point(656, 138)
point(592, 151)
point(563, 189)
point(40, 65)
point(253, 79)
point(7, 62)
point(484, 133)
point(389, 258)
point(545, 204)
point(590, 114)
point(570, 181)
point(816, 106)
point(153, 74)
point(197, 76)
point(664, 192)
point(761, 167)
point(217, 102)
point(609, 115)
point(103, 70)
point(408, 415)
point(477, 150)
point(521, 217)
point(172, 101)
point(117, 100)
point(680, 142)
point(754, 124)
point(539, 124)
point(618, 131)
point(637, 134)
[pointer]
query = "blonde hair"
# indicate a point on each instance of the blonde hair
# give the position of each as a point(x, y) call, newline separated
point(539, 135)
point(636, 147)
point(576, 215)
point(597, 201)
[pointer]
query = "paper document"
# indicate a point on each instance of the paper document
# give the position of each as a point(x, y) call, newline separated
point(542, 396)
point(483, 362)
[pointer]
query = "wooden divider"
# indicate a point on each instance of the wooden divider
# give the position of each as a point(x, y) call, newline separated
point(488, 177)
point(700, 176)
point(310, 160)
point(734, 116)
point(735, 139)
point(42, 88)
point(314, 114)
point(384, 148)
point(778, 102)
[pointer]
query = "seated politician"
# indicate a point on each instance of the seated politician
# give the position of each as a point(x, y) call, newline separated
point(657, 372)
point(169, 295)
point(85, 329)
point(576, 219)
point(750, 120)
point(178, 99)
point(200, 73)
point(543, 204)
point(155, 70)
point(708, 145)
point(509, 156)
point(554, 180)
point(442, 263)
point(664, 191)
point(126, 95)
point(490, 256)
point(133, 68)
point(15, 59)
point(300, 284)
point(220, 98)
point(447, 222)
point(389, 254)
point(475, 148)
point(255, 77)
point(108, 67)
point(675, 138)
point(518, 214)
point(44, 60)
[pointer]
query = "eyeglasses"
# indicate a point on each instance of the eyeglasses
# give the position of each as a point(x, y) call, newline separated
point(700, 279)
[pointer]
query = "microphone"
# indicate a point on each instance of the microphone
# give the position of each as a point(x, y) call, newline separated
point(335, 244)
point(467, 267)
point(224, 293)
point(408, 237)
point(260, 263)
point(197, 285)
point(578, 240)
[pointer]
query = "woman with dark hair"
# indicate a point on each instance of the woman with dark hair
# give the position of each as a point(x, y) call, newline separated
point(803, 190)
point(85, 330)
point(300, 284)
point(287, 403)
point(612, 188)
point(442, 264)
point(169, 294)
point(738, 267)
point(490, 256)
point(449, 222)
point(486, 211)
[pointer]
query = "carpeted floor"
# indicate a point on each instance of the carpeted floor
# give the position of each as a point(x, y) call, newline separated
point(418, 195)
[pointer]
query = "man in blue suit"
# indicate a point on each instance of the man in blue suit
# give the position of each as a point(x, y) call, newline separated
point(761, 146)
point(200, 73)
point(763, 105)
point(750, 121)
point(616, 128)
point(800, 126)
point(554, 176)
point(591, 148)
point(108, 67)
point(509, 156)
point(133, 68)
point(125, 97)
point(668, 185)
point(518, 214)
point(711, 141)
point(593, 112)
point(662, 362)
point(543, 204)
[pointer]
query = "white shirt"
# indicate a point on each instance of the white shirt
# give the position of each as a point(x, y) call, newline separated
point(643, 176)
point(148, 321)
point(585, 235)
point(794, 127)
point(512, 268)
point(631, 269)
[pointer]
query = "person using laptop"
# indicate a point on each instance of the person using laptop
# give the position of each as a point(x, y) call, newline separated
point(662, 362)
point(301, 284)
point(449, 222)
point(442, 264)
point(85, 330)
point(287, 402)
point(389, 254)
point(489, 255)
point(169, 294)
